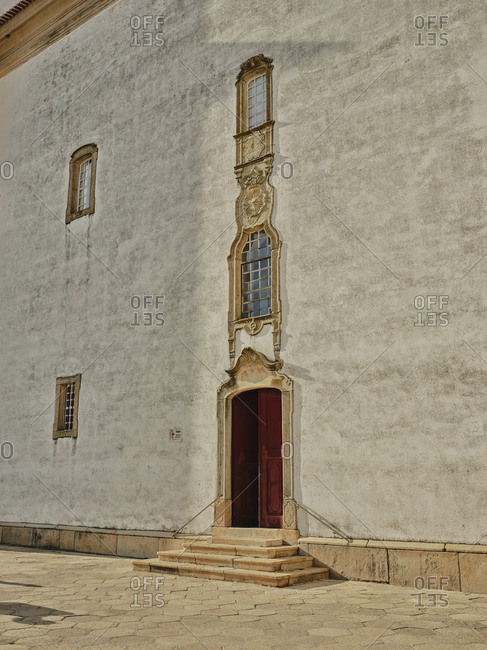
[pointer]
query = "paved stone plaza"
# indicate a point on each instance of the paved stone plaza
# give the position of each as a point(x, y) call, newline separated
point(67, 600)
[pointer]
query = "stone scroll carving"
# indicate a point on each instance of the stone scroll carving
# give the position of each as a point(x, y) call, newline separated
point(256, 199)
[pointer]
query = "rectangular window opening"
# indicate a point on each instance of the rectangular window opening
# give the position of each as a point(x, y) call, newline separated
point(256, 101)
point(68, 412)
point(66, 409)
point(84, 185)
point(256, 276)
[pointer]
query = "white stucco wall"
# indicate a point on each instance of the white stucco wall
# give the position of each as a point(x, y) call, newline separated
point(400, 452)
point(5, 5)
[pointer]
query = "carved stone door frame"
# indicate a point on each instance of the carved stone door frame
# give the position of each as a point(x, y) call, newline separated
point(254, 370)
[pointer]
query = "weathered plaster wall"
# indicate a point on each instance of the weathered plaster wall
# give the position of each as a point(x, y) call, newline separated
point(390, 441)
point(5, 5)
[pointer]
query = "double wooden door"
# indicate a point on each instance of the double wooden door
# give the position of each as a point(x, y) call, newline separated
point(257, 459)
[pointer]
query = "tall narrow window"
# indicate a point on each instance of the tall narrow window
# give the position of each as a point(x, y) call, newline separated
point(256, 101)
point(66, 409)
point(82, 174)
point(84, 184)
point(256, 275)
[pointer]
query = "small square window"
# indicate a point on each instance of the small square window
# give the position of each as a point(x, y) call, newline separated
point(66, 407)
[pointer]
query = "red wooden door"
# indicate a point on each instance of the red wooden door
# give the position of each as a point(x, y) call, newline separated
point(245, 460)
point(270, 457)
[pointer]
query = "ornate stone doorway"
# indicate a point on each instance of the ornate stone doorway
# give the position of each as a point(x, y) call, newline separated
point(252, 372)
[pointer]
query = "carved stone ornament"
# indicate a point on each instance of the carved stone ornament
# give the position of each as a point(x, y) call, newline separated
point(252, 64)
point(251, 363)
point(253, 147)
point(290, 519)
point(253, 326)
point(255, 202)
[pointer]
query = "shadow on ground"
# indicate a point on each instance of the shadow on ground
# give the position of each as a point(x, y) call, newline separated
point(18, 584)
point(30, 614)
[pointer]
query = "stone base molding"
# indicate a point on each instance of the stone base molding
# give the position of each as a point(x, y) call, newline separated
point(418, 565)
point(101, 541)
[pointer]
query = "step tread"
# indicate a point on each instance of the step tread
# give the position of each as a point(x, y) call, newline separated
point(295, 562)
point(168, 563)
point(247, 541)
point(270, 578)
point(198, 559)
point(238, 562)
point(253, 551)
point(268, 533)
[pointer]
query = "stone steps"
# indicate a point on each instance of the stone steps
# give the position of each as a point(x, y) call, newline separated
point(252, 551)
point(239, 562)
point(268, 578)
point(258, 559)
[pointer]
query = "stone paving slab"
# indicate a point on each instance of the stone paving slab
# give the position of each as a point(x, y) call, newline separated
point(67, 600)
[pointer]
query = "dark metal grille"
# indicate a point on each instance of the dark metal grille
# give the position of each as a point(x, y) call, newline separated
point(256, 275)
point(68, 413)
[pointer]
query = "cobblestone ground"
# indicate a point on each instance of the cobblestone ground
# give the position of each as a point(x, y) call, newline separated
point(67, 600)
